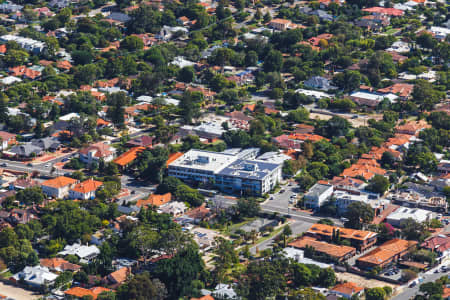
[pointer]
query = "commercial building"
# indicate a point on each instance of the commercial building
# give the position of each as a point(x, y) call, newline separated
point(403, 213)
point(229, 171)
point(58, 187)
point(317, 195)
point(360, 239)
point(344, 199)
point(385, 254)
point(336, 252)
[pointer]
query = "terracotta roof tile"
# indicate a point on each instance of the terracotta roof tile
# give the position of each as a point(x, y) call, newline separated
point(59, 182)
point(156, 200)
point(129, 156)
point(87, 186)
point(329, 249)
point(347, 288)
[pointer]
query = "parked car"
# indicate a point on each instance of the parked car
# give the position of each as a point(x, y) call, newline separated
point(29, 164)
point(4, 165)
point(413, 284)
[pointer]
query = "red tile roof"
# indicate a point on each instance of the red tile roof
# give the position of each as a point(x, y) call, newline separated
point(129, 156)
point(59, 182)
point(155, 200)
point(384, 11)
point(347, 288)
point(87, 186)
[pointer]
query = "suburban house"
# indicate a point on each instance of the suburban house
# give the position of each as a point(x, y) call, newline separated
point(35, 277)
point(85, 190)
point(281, 24)
point(412, 127)
point(317, 195)
point(23, 183)
point(141, 141)
point(82, 293)
point(338, 252)
point(439, 244)
point(360, 239)
point(385, 254)
point(126, 158)
point(85, 253)
point(59, 264)
point(7, 139)
point(58, 187)
point(26, 150)
point(96, 152)
point(118, 277)
point(154, 200)
point(347, 290)
point(319, 82)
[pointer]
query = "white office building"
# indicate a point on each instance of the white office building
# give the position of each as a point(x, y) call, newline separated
point(344, 199)
point(317, 195)
point(230, 172)
point(397, 217)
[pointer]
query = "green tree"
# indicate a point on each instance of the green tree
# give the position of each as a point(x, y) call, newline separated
point(299, 115)
point(425, 95)
point(132, 43)
point(378, 184)
point(142, 286)
point(145, 239)
point(247, 207)
point(116, 110)
point(377, 293)
point(179, 274)
point(359, 214)
point(273, 62)
point(186, 74)
point(262, 279)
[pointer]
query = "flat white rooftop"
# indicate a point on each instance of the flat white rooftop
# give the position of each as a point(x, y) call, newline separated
point(204, 160)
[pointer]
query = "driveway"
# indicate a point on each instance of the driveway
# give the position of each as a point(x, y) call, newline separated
point(17, 293)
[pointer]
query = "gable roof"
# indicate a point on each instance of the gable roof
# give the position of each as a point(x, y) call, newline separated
point(59, 182)
point(120, 275)
point(129, 156)
point(101, 149)
point(59, 263)
point(80, 292)
point(323, 247)
point(346, 233)
point(156, 200)
point(6, 136)
point(87, 186)
point(386, 251)
point(347, 288)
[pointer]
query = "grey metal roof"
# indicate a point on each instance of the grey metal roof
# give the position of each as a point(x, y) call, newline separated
point(249, 169)
point(317, 190)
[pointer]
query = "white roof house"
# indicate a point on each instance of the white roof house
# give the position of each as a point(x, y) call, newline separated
point(36, 276)
point(173, 208)
point(399, 47)
point(299, 256)
point(182, 62)
point(440, 32)
point(314, 94)
point(224, 291)
point(10, 80)
point(85, 253)
point(403, 213)
point(69, 117)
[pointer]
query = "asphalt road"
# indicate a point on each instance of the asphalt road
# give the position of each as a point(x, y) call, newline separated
point(429, 276)
point(39, 167)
